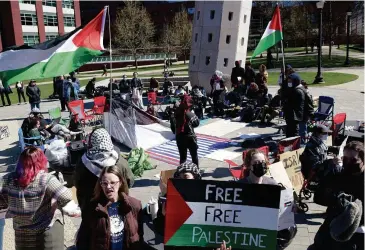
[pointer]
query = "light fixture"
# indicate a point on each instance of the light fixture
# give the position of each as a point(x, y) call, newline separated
point(320, 4)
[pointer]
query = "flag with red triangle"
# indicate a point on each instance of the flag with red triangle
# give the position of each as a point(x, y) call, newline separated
point(204, 213)
point(272, 35)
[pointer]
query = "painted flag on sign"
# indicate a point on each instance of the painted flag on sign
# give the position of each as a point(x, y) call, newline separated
point(55, 57)
point(206, 213)
point(272, 35)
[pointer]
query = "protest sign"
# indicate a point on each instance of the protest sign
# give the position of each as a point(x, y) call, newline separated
point(206, 213)
point(277, 171)
point(286, 214)
point(292, 166)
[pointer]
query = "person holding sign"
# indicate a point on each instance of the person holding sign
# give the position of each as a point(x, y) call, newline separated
point(113, 220)
point(343, 194)
point(183, 125)
point(257, 163)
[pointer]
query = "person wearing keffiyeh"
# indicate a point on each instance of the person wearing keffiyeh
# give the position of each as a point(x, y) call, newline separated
point(100, 154)
point(183, 124)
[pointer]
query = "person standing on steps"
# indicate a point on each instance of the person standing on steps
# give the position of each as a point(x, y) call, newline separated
point(20, 90)
point(34, 94)
point(183, 124)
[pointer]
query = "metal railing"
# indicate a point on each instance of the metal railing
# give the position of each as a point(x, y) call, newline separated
point(129, 58)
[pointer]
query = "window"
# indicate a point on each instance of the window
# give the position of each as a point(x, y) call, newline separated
point(225, 62)
point(196, 37)
point(212, 13)
point(28, 19)
point(31, 39)
point(210, 37)
point(27, 1)
point(244, 18)
point(230, 16)
point(69, 21)
point(50, 20)
point(68, 4)
point(51, 3)
point(50, 37)
point(207, 60)
point(198, 15)
point(228, 39)
point(193, 59)
point(242, 41)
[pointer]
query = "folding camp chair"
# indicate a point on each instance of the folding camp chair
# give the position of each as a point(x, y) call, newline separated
point(99, 108)
point(288, 144)
point(152, 100)
point(240, 172)
point(22, 140)
point(77, 109)
point(325, 109)
point(338, 128)
point(56, 115)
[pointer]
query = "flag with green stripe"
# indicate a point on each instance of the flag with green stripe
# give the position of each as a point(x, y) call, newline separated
point(272, 35)
point(55, 57)
point(206, 213)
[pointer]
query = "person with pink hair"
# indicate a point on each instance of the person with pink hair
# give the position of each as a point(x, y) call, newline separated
point(34, 198)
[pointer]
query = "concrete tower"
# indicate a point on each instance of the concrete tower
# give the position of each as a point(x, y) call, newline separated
point(220, 36)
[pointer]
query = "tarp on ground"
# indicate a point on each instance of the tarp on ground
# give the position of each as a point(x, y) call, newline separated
point(134, 127)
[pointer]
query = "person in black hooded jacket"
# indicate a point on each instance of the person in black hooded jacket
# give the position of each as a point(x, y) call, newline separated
point(183, 124)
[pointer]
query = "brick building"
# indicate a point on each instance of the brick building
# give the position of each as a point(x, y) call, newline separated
point(30, 22)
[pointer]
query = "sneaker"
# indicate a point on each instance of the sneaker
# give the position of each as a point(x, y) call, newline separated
point(75, 133)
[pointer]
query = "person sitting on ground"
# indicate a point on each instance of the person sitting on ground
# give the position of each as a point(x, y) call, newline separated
point(180, 91)
point(90, 88)
point(34, 132)
point(261, 81)
point(314, 157)
point(34, 199)
point(113, 219)
point(343, 194)
point(253, 91)
point(273, 109)
point(100, 154)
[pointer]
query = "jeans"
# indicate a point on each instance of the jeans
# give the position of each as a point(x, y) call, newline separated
point(302, 132)
point(183, 144)
point(2, 225)
point(21, 94)
point(34, 105)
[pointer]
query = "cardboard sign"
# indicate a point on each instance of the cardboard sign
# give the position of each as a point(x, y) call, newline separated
point(277, 171)
point(206, 213)
point(292, 166)
point(167, 174)
point(286, 215)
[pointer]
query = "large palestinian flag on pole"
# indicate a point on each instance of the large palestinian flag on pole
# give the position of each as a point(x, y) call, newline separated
point(272, 35)
point(206, 213)
point(55, 57)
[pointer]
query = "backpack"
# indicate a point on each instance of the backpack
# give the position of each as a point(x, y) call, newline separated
point(308, 103)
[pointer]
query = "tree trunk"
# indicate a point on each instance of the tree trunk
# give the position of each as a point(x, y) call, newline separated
point(135, 61)
point(330, 36)
point(306, 31)
point(184, 54)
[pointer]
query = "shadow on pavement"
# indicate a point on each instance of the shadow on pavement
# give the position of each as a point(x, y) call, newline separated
point(219, 173)
point(9, 156)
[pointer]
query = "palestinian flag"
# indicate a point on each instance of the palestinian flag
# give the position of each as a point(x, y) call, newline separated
point(55, 57)
point(272, 35)
point(206, 213)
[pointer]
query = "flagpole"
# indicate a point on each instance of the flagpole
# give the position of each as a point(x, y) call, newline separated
point(111, 69)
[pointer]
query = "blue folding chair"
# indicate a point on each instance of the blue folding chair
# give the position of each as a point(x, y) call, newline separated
point(22, 139)
point(325, 111)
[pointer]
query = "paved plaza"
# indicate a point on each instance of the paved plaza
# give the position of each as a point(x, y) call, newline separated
point(349, 98)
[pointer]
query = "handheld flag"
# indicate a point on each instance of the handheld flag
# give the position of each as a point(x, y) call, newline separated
point(272, 35)
point(55, 57)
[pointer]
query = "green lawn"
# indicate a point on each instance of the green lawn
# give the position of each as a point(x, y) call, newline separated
point(330, 78)
point(310, 61)
point(351, 49)
point(286, 50)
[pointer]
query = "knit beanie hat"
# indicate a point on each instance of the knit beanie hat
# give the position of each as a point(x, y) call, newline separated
point(343, 227)
point(188, 167)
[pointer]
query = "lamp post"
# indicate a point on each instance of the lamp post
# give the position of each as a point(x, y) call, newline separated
point(319, 78)
point(347, 61)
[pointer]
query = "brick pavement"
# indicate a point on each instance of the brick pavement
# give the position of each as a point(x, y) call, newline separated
point(348, 98)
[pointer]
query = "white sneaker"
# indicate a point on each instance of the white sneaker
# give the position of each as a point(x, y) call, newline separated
point(75, 133)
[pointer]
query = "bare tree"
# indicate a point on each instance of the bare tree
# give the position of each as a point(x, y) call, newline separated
point(134, 29)
point(182, 32)
point(168, 40)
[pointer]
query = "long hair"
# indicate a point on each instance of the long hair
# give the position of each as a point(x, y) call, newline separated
point(98, 191)
point(31, 161)
point(249, 155)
